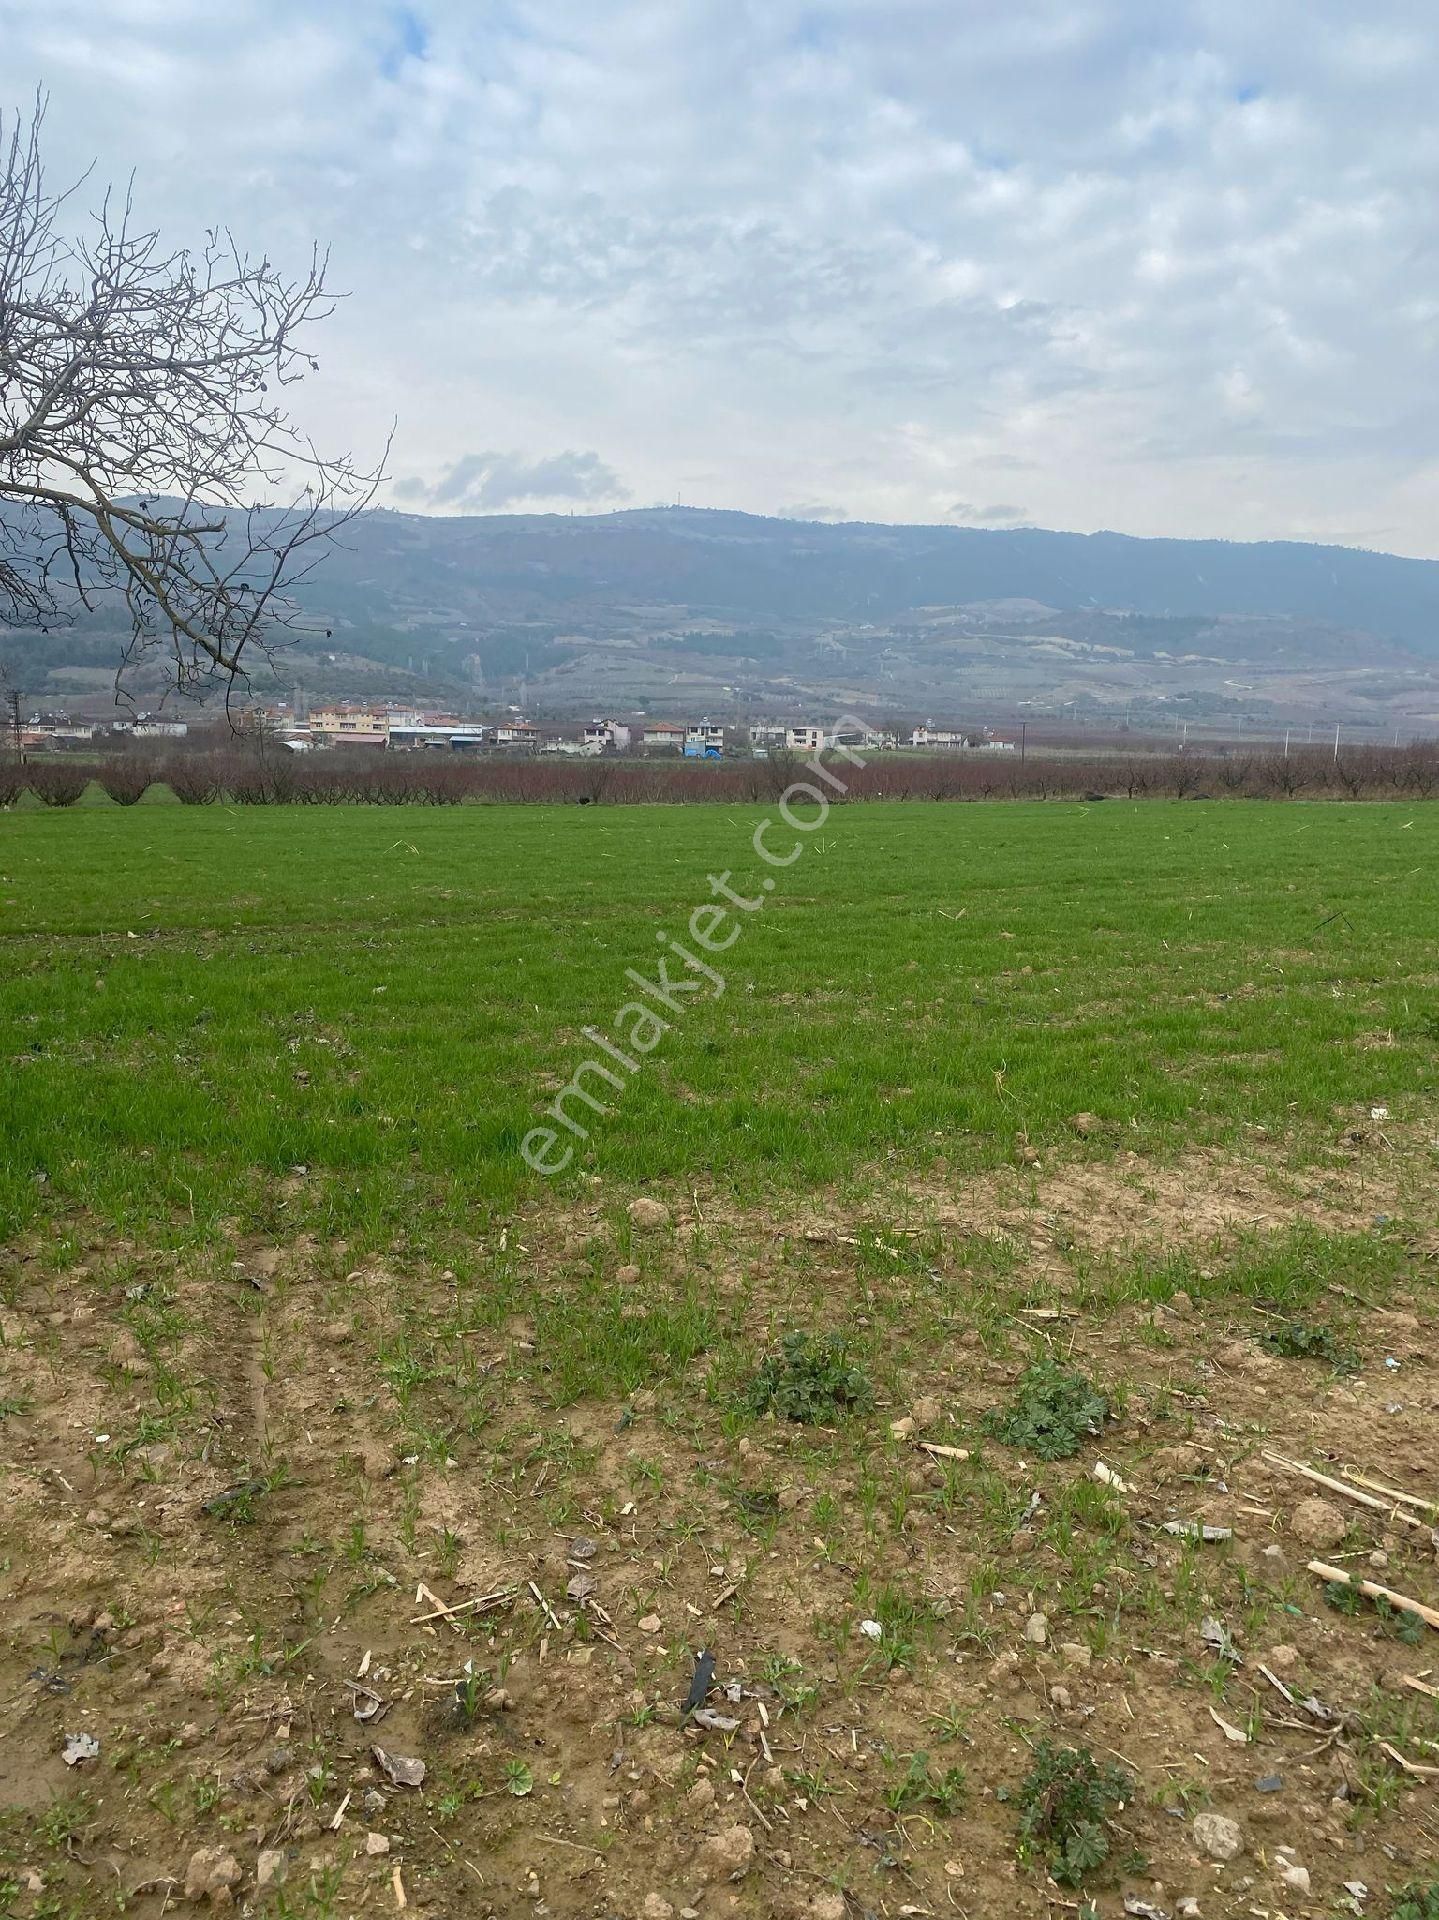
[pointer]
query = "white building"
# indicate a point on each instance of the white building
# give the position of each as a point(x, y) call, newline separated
point(931, 736)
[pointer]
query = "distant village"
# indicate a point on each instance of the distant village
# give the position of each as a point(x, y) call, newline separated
point(395, 728)
point(406, 728)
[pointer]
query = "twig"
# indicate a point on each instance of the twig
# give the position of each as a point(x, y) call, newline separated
point(1349, 1493)
point(1373, 1591)
point(943, 1453)
point(482, 1605)
point(768, 1825)
point(544, 1606)
point(1392, 1493)
point(1409, 1766)
point(1418, 1686)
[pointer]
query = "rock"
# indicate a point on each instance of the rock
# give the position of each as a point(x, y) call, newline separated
point(648, 1216)
point(1317, 1523)
point(1293, 1875)
point(827, 1906)
point(656, 1908)
point(726, 1856)
point(701, 1795)
point(1216, 1835)
point(1188, 1907)
point(1061, 1698)
point(1086, 1124)
point(926, 1413)
point(212, 1875)
point(376, 1843)
point(1181, 1304)
point(1283, 1659)
point(651, 1623)
point(1036, 1630)
point(270, 1868)
point(1074, 1653)
point(901, 1429)
point(788, 1499)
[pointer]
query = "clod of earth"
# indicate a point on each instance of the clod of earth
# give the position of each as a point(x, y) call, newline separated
point(726, 1856)
point(1318, 1523)
point(648, 1216)
point(213, 1875)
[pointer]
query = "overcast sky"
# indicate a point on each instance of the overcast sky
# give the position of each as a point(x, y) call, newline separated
point(1166, 266)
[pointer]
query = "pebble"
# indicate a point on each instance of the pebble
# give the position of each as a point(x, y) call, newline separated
point(270, 1868)
point(1036, 1629)
point(1218, 1836)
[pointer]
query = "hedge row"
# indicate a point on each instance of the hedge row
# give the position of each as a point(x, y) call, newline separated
point(244, 778)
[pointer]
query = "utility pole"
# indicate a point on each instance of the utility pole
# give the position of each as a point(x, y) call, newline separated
point(1286, 743)
point(1336, 743)
point(1023, 730)
point(12, 701)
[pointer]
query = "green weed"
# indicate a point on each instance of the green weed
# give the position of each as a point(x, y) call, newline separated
point(1052, 1414)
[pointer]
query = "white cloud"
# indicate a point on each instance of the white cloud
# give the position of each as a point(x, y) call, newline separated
point(1174, 264)
point(493, 482)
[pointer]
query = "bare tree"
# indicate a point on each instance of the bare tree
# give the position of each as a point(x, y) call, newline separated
point(143, 435)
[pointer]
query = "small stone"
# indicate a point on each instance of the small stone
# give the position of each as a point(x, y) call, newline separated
point(656, 1908)
point(1379, 1560)
point(1061, 1698)
point(376, 1843)
point(1036, 1629)
point(1283, 1658)
point(651, 1623)
point(1188, 1907)
point(788, 1499)
point(647, 1215)
point(827, 1906)
point(1074, 1653)
point(926, 1413)
point(270, 1868)
point(1294, 1876)
point(1316, 1523)
point(1086, 1124)
point(726, 1856)
point(701, 1795)
point(1216, 1835)
point(212, 1874)
point(1180, 1303)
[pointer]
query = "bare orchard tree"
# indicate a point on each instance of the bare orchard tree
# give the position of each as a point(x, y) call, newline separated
point(142, 435)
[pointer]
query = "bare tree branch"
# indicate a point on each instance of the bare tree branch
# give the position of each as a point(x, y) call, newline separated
point(146, 457)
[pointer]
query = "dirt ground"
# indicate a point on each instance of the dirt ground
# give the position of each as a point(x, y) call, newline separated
point(276, 1526)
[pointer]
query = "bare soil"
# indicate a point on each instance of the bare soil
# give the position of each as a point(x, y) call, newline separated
point(403, 1448)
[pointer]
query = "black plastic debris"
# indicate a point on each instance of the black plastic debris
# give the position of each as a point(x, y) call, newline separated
point(701, 1681)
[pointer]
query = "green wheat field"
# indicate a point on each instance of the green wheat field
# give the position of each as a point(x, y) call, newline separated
point(197, 1002)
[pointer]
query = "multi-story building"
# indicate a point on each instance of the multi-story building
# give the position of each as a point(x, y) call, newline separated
point(347, 726)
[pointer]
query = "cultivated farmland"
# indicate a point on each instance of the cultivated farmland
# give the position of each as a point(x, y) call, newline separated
point(929, 1331)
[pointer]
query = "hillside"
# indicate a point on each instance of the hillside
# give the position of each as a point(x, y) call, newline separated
point(672, 608)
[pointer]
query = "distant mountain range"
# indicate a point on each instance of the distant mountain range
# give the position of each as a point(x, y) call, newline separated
point(678, 608)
